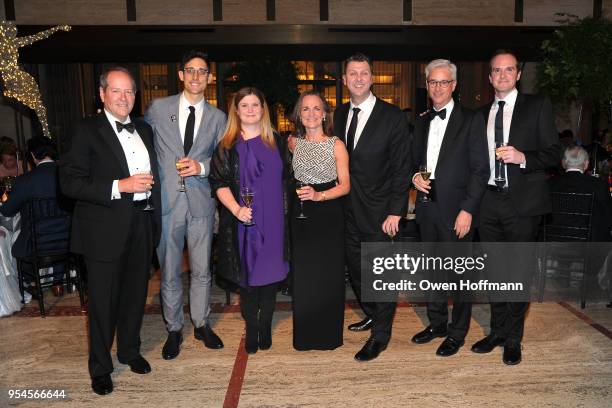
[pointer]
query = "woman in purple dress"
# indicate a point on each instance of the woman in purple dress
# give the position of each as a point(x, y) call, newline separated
point(253, 237)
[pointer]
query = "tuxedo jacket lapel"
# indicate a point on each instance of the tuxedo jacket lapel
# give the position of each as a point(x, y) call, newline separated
point(146, 140)
point(372, 120)
point(108, 135)
point(452, 130)
point(516, 114)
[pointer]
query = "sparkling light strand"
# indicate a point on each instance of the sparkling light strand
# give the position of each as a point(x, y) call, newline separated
point(19, 84)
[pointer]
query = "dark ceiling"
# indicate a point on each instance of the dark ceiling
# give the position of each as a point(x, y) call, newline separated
point(297, 42)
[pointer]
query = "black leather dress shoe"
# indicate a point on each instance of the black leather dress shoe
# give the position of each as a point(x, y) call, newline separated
point(208, 336)
point(370, 350)
point(265, 336)
point(138, 365)
point(449, 347)
point(102, 385)
point(172, 347)
point(429, 334)
point(512, 353)
point(365, 324)
point(487, 344)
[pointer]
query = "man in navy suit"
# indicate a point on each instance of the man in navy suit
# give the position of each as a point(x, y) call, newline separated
point(41, 182)
point(517, 194)
point(378, 141)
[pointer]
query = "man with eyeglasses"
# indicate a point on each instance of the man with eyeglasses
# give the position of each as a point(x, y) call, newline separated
point(109, 167)
point(522, 143)
point(450, 145)
point(187, 129)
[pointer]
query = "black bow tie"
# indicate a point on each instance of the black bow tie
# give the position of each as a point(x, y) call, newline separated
point(441, 113)
point(128, 126)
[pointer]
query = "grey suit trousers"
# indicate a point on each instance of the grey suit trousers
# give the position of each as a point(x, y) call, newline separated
point(177, 225)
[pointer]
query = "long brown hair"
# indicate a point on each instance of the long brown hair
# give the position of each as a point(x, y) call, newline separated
point(327, 122)
point(233, 127)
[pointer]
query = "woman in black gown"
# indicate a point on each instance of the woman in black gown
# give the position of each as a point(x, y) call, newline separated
point(321, 161)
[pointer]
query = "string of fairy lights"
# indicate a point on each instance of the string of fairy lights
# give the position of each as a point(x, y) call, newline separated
point(18, 84)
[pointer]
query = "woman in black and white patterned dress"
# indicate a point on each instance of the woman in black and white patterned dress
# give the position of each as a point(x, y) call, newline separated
point(321, 161)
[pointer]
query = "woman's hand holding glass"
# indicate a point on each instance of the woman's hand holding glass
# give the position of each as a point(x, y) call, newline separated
point(244, 214)
point(306, 192)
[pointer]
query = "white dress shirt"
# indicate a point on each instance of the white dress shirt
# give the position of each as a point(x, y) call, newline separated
point(510, 100)
point(136, 154)
point(184, 105)
point(366, 107)
point(437, 128)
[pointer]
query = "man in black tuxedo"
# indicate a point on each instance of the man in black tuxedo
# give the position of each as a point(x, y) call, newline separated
point(41, 182)
point(109, 167)
point(575, 162)
point(451, 142)
point(378, 141)
point(513, 206)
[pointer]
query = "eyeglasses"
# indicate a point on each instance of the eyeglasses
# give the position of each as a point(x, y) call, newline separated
point(200, 71)
point(442, 84)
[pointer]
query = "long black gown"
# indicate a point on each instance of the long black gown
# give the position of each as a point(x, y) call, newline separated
point(317, 253)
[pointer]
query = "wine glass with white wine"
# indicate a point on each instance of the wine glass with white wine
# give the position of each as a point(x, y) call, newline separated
point(298, 186)
point(179, 167)
point(149, 206)
point(500, 177)
point(248, 195)
point(425, 173)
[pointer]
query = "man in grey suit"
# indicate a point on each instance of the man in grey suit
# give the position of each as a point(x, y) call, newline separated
point(187, 129)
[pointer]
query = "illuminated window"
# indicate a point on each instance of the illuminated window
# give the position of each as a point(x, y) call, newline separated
point(154, 82)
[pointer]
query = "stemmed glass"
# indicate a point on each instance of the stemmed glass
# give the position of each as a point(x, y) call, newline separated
point(179, 167)
point(298, 186)
point(247, 194)
point(149, 206)
point(3, 189)
point(501, 178)
point(425, 173)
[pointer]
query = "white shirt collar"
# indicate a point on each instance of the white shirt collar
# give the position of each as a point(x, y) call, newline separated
point(366, 105)
point(510, 99)
point(184, 103)
point(574, 170)
point(111, 118)
point(449, 108)
point(45, 161)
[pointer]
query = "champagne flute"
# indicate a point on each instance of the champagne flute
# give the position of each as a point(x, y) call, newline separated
point(179, 167)
point(298, 186)
point(425, 173)
point(500, 179)
point(149, 206)
point(391, 236)
point(247, 194)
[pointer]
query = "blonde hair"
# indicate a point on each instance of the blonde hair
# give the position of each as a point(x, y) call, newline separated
point(233, 127)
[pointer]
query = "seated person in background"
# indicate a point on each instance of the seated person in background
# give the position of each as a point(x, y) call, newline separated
point(8, 161)
point(575, 162)
point(41, 182)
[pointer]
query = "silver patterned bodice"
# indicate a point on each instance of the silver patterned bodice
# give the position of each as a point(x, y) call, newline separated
point(314, 162)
